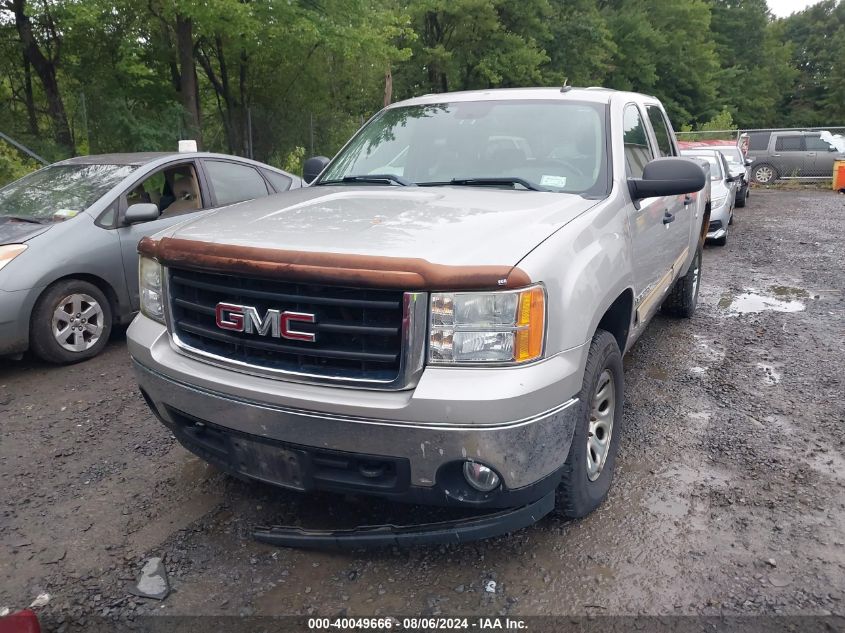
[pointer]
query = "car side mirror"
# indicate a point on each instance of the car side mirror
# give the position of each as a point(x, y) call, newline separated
point(667, 177)
point(748, 162)
point(313, 167)
point(141, 212)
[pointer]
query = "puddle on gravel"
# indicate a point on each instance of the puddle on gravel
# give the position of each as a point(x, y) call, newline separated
point(771, 376)
point(781, 299)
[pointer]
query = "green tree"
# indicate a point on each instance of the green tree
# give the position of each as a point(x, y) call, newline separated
point(817, 35)
point(465, 44)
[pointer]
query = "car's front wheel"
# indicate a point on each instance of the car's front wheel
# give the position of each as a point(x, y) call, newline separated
point(71, 322)
point(588, 470)
point(764, 174)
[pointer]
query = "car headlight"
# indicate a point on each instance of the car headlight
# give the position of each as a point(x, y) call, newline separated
point(9, 252)
point(504, 327)
point(152, 295)
point(718, 202)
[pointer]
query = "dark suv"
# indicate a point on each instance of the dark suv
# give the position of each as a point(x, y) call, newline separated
point(791, 154)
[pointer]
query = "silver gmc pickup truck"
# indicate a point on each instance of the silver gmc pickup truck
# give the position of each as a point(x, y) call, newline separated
point(439, 318)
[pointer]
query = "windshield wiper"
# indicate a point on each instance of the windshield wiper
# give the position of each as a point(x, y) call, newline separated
point(23, 218)
point(485, 182)
point(374, 178)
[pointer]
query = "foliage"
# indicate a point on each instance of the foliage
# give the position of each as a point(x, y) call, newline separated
point(284, 80)
point(13, 165)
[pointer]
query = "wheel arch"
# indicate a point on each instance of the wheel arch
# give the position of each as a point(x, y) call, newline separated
point(617, 318)
point(104, 287)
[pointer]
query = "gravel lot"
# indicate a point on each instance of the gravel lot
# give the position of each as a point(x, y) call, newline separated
point(729, 496)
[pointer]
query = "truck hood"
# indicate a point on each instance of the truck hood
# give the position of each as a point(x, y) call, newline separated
point(443, 225)
point(15, 231)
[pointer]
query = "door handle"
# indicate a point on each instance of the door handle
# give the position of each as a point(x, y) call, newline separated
point(668, 217)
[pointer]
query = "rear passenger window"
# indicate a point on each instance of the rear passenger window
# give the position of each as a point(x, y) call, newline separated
point(789, 144)
point(816, 144)
point(638, 151)
point(661, 131)
point(279, 181)
point(234, 183)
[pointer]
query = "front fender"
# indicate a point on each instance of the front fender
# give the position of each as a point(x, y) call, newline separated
point(585, 266)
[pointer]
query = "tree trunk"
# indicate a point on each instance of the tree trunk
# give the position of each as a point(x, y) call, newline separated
point(29, 99)
point(388, 87)
point(188, 85)
point(46, 70)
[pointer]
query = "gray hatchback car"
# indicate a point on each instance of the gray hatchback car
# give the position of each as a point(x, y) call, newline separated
point(69, 235)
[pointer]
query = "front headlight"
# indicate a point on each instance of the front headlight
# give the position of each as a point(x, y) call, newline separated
point(715, 203)
point(487, 327)
point(9, 252)
point(149, 282)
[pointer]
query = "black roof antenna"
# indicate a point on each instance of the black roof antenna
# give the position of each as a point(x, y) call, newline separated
point(565, 87)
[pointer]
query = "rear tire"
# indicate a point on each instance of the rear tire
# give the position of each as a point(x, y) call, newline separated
point(71, 322)
point(588, 470)
point(683, 298)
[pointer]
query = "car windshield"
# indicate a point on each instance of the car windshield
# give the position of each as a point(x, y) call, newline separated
point(531, 144)
point(733, 155)
point(715, 163)
point(59, 192)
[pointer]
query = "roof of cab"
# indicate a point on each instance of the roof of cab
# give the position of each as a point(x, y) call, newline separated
point(591, 95)
point(142, 158)
point(133, 158)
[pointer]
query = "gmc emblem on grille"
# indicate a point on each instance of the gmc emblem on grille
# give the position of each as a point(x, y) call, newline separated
point(274, 323)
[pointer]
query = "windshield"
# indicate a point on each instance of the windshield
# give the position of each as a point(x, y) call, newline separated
point(732, 155)
point(547, 145)
point(715, 163)
point(59, 192)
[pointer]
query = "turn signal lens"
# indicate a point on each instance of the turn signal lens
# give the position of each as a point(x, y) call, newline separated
point(531, 323)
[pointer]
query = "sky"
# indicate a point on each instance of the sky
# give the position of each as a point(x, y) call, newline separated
point(783, 8)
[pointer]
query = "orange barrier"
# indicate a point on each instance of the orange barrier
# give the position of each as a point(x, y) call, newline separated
point(839, 175)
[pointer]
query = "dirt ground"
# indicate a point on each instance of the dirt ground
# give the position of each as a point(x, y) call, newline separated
point(729, 496)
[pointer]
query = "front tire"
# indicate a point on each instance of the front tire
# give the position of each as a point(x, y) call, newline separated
point(764, 174)
point(71, 322)
point(683, 298)
point(588, 470)
point(741, 200)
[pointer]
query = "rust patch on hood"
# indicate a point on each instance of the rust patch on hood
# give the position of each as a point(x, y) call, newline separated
point(400, 273)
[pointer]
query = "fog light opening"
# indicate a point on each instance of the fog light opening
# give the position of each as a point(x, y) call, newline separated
point(480, 477)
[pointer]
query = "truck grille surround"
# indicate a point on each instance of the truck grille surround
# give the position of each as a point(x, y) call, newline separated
point(359, 332)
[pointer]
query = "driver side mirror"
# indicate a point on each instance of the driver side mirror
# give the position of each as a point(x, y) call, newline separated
point(748, 162)
point(667, 177)
point(141, 212)
point(313, 167)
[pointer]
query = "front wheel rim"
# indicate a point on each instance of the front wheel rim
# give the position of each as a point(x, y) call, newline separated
point(600, 428)
point(764, 174)
point(78, 322)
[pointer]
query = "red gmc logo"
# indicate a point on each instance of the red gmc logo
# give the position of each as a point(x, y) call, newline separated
point(274, 323)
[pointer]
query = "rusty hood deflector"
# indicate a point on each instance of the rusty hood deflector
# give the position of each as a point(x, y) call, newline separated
point(373, 271)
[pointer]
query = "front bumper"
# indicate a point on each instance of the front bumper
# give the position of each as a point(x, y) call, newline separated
point(719, 218)
point(15, 310)
point(415, 441)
